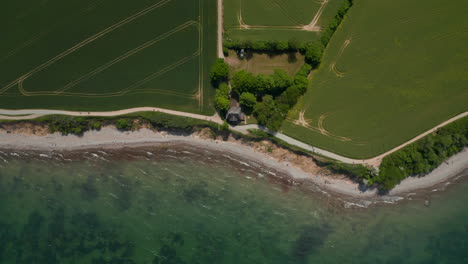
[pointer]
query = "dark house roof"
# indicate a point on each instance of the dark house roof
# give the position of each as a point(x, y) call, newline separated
point(234, 115)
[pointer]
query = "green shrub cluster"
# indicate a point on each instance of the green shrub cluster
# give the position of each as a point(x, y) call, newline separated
point(222, 101)
point(124, 124)
point(275, 94)
point(265, 45)
point(424, 155)
point(333, 26)
point(219, 72)
point(71, 125)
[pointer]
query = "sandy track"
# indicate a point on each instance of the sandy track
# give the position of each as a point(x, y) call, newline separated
point(312, 26)
point(375, 161)
point(220, 29)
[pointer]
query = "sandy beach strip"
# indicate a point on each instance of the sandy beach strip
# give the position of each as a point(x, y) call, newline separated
point(111, 138)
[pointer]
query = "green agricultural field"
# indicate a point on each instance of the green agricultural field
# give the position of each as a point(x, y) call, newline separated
point(107, 55)
point(393, 70)
point(277, 19)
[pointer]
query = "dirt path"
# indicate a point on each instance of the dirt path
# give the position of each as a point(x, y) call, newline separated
point(220, 29)
point(375, 161)
point(312, 26)
point(35, 113)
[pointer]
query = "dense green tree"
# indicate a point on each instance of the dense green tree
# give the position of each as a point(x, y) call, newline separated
point(264, 84)
point(223, 90)
point(270, 114)
point(301, 83)
point(247, 101)
point(313, 54)
point(222, 104)
point(222, 101)
point(244, 81)
point(282, 46)
point(290, 96)
point(281, 81)
point(219, 72)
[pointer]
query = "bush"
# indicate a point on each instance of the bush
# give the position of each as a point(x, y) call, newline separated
point(68, 125)
point(248, 101)
point(219, 72)
point(290, 96)
point(270, 114)
point(281, 81)
point(123, 124)
point(314, 54)
point(305, 70)
point(424, 155)
point(244, 81)
point(301, 83)
point(222, 104)
point(222, 101)
point(96, 125)
point(335, 23)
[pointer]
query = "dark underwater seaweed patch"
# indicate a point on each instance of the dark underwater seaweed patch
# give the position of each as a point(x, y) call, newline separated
point(310, 239)
point(88, 189)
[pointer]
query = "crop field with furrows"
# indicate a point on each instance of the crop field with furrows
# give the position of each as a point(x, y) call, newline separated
point(277, 19)
point(393, 70)
point(107, 55)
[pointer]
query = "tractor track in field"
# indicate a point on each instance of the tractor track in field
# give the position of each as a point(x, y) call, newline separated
point(84, 43)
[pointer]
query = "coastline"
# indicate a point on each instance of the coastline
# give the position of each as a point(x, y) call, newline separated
point(286, 163)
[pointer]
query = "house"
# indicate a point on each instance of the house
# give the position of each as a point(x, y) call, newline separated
point(235, 115)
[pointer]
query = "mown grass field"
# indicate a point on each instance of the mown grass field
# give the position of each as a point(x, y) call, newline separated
point(276, 19)
point(107, 55)
point(393, 70)
point(265, 63)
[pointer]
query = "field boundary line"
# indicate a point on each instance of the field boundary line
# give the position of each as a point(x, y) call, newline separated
point(312, 26)
point(243, 25)
point(85, 42)
point(122, 92)
point(127, 55)
point(160, 72)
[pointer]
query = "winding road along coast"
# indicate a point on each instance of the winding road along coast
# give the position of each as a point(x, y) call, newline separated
point(375, 162)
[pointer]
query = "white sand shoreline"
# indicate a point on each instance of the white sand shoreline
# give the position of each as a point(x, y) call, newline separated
point(112, 138)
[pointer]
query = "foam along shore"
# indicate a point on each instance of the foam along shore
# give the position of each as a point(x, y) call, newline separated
point(111, 138)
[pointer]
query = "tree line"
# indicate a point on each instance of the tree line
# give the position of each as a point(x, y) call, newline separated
point(270, 97)
point(267, 97)
point(422, 156)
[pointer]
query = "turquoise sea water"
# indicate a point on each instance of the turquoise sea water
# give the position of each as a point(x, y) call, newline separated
point(184, 205)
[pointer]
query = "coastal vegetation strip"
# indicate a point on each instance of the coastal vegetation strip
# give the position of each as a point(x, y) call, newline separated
point(413, 160)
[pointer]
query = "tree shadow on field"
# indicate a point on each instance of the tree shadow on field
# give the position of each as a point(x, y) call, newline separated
point(292, 58)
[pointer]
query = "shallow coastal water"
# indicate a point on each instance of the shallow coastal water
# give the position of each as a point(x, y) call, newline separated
point(174, 204)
